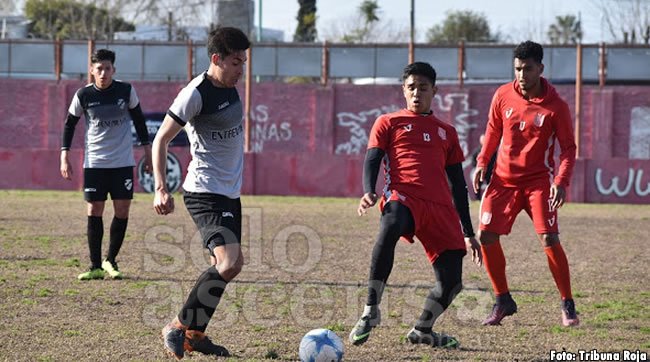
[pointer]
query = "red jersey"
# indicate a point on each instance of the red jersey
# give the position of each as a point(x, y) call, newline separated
point(525, 132)
point(417, 150)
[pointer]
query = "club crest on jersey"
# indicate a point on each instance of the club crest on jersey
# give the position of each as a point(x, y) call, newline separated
point(509, 112)
point(442, 133)
point(522, 125)
point(121, 103)
point(408, 127)
point(539, 119)
point(128, 184)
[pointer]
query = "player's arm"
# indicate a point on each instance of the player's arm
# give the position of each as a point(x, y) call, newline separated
point(140, 124)
point(378, 143)
point(163, 202)
point(371, 165)
point(68, 133)
point(461, 202)
point(564, 133)
point(493, 133)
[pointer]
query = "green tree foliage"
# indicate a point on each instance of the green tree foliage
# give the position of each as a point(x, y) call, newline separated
point(463, 25)
point(368, 11)
point(306, 29)
point(68, 19)
point(566, 30)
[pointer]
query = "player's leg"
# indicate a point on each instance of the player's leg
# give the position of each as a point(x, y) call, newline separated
point(95, 195)
point(448, 268)
point(219, 222)
point(396, 220)
point(546, 226)
point(507, 203)
point(121, 191)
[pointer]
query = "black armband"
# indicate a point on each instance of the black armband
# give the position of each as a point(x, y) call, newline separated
point(139, 122)
point(371, 169)
point(68, 131)
point(459, 193)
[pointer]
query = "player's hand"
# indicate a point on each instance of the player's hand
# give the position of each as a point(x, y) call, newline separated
point(163, 202)
point(148, 164)
point(66, 167)
point(558, 196)
point(475, 247)
point(479, 175)
point(367, 201)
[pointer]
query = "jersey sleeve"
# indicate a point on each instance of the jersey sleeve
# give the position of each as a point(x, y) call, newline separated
point(380, 134)
point(455, 152)
point(75, 108)
point(186, 105)
point(566, 139)
point(493, 132)
point(133, 99)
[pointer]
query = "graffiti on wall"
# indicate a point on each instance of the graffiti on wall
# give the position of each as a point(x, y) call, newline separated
point(356, 124)
point(633, 183)
point(267, 130)
point(640, 133)
point(359, 124)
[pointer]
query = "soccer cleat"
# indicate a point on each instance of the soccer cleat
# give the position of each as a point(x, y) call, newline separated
point(500, 311)
point(173, 335)
point(112, 269)
point(433, 339)
point(569, 314)
point(370, 319)
point(196, 341)
point(91, 274)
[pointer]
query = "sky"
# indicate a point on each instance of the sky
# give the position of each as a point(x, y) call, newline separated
point(516, 19)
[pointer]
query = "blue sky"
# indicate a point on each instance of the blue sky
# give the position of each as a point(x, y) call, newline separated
point(519, 20)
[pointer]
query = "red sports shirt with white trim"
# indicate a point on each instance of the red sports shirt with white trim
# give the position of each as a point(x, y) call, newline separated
point(418, 148)
point(525, 131)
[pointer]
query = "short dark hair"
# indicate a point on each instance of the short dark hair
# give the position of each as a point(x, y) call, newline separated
point(420, 68)
point(224, 41)
point(529, 49)
point(100, 55)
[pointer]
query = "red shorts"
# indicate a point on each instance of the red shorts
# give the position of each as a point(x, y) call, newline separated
point(501, 205)
point(436, 226)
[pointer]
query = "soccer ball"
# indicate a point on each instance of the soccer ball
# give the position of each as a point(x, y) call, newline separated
point(321, 345)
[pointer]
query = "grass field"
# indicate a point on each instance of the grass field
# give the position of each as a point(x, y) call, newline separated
point(306, 267)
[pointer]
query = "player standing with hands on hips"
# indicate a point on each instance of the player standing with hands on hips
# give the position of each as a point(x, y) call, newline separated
point(525, 119)
point(421, 156)
point(210, 110)
point(109, 106)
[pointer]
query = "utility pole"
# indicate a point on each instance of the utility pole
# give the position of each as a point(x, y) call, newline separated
point(170, 18)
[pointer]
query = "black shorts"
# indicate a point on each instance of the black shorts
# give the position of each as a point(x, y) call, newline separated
point(215, 215)
point(99, 182)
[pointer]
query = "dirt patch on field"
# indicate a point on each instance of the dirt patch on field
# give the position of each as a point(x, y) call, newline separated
point(306, 267)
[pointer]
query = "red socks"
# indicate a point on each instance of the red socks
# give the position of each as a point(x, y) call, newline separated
point(495, 265)
point(559, 266)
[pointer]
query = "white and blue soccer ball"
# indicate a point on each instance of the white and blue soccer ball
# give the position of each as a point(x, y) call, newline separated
point(321, 345)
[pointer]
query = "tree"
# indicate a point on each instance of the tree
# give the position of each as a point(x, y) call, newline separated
point(368, 14)
point(627, 21)
point(463, 25)
point(68, 19)
point(366, 26)
point(306, 29)
point(566, 30)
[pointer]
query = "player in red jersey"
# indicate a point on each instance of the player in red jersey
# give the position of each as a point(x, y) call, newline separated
point(420, 153)
point(526, 118)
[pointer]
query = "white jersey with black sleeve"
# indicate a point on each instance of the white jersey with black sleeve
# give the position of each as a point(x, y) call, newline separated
point(108, 138)
point(212, 118)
